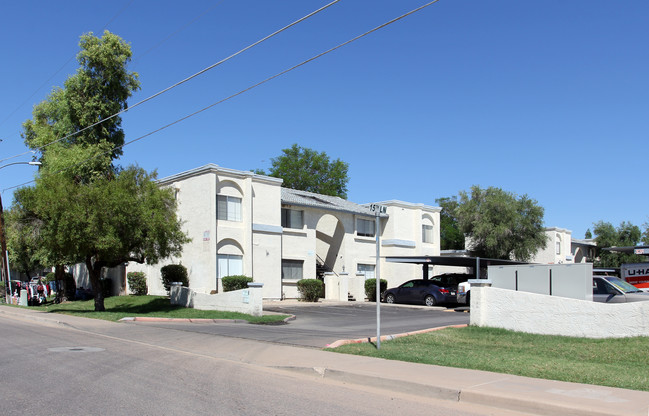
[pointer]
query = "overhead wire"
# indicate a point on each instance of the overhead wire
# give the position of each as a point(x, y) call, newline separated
point(265, 38)
point(396, 19)
point(56, 73)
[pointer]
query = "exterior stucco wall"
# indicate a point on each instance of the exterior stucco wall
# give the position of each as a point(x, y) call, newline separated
point(402, 236)
point(257, 237)
point(328, 235)
point(555, 236)
point(553, 315)
point(248, 301)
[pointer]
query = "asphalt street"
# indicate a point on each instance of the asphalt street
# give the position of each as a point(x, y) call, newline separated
point(75, 366)
point(318, 325)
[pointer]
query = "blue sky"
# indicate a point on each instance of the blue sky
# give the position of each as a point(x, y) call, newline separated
point(548, 99)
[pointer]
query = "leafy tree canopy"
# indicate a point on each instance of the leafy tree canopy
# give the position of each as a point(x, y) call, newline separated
point(98, 90)
point(82, 207)
point(450, 235)
point(625, 235)
point(501, 225)
point(308, 170)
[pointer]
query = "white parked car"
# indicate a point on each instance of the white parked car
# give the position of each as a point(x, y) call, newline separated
point(613, 290)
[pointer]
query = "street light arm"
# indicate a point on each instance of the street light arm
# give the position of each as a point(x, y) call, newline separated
point(22, 163)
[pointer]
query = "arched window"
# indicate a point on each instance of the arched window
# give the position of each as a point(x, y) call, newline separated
point(558, 244)
point(426, 229)
point(229, 259)
point(228, 202)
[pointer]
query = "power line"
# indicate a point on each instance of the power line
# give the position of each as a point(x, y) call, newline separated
point(396, 19)
point(56, 73)
point(181, 82)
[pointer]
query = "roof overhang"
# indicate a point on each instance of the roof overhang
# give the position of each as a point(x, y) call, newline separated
point(459, 261)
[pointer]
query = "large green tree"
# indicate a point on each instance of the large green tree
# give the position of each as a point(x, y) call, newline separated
point(625, 235)
point(309, 170)
point(449, 231)
point(500, 224)
point(111, 220)
point(83, 208)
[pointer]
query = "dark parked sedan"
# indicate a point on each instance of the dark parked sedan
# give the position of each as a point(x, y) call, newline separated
point(439, 289)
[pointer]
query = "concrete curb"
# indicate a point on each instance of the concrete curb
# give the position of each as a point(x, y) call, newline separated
point(197, 320)
point(535, 403)
point(340, 342)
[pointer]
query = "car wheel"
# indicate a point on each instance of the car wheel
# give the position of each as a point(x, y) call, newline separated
point(389, 298)
point(430, 300)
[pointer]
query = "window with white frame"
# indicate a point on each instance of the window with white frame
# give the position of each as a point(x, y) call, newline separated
point(292, 218)
point(229, 265)
point(558, 245)
point(426, 229)
point(426, 233)
point(365, 228)
point(292, 269)
point(366, 269)
point(228, 208)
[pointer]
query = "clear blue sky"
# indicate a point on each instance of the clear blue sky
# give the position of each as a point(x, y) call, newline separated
point(548, 99)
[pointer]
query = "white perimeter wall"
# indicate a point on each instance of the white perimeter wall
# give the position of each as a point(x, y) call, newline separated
point(553, 315)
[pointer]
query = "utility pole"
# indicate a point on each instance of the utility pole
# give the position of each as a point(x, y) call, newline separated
point(5, 263)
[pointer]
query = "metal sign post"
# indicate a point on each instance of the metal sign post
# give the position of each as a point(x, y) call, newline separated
point(378, 210)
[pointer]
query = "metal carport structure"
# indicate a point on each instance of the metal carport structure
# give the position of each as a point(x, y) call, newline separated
point(458, 261)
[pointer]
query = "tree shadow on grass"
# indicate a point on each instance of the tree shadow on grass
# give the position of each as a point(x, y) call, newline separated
point(119, 305)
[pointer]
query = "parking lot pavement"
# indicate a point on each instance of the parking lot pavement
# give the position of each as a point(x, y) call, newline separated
point(320, 324)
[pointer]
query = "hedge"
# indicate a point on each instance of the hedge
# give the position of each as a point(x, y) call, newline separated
point(236, 282)
point(174, 273)
point(310, 289)
point(137, 283)
point(370, 288)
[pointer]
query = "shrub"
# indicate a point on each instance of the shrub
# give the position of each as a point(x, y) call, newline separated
point(310, 289)
point(137, 283)
point(50, 277)
point(237, 282)
point(174, 273)
point(370, 288)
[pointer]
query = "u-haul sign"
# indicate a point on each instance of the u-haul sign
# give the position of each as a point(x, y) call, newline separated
point(635, 273)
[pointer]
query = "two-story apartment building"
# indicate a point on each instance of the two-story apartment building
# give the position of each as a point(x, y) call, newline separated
point(244, 223)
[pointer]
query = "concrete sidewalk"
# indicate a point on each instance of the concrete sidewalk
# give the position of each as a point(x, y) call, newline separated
point(514, 393)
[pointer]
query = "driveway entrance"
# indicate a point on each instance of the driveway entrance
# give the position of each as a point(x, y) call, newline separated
point(318, 325)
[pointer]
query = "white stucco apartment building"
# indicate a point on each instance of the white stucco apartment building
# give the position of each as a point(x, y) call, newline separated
point(563, 249)
point(244, 223)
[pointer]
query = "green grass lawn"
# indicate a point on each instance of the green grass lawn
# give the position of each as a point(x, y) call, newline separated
point(118, 307)
point(617, 362)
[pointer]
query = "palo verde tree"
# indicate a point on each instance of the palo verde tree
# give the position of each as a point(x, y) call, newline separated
point(309, 170)
point(501, 225)
point(83, 207)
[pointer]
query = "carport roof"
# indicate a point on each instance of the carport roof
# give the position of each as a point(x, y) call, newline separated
point(459, 261)
point(641, 250)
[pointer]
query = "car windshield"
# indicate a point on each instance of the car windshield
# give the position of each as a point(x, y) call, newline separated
point(622, 285)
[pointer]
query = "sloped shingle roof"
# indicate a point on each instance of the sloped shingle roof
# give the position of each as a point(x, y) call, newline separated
point(326, 202)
